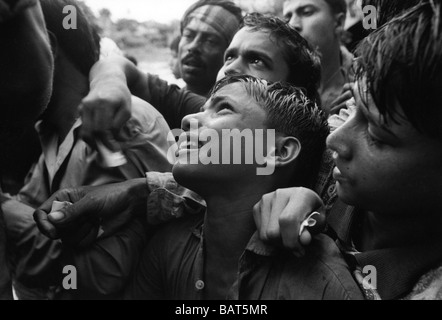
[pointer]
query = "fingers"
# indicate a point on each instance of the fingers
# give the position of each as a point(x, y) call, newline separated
point(75, 214)
point(44, 225)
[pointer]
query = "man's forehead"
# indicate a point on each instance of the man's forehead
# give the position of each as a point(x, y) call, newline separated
point(197, 25)
point(236, 93)
point(294, 4)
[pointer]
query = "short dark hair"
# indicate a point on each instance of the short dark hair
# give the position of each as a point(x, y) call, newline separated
point(81, 45)
point(401, 63)
point(386, 10)
point(226, 4)
point(304, 62)
point(338, 6)
point(291, 112)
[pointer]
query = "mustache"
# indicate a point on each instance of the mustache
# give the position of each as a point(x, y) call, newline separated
point(193, 60)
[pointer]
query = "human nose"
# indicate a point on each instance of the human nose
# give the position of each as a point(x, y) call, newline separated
point(234, 68)
point(193, 45)
point(192, 121)
point(296, 23)
point(339, 142)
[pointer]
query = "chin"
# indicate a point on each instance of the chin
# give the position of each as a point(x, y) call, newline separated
point(190, 176)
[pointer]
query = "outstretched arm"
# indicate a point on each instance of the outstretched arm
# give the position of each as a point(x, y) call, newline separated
point(107, 107)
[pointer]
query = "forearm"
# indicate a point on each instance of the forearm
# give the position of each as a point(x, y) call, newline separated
point(119, 70)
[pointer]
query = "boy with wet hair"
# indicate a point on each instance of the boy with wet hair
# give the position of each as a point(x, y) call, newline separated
point(388, 157)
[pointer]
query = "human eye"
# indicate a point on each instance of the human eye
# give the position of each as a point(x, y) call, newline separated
point(257, 61)
point(307, 11)
point(373, 139)
point(288, 17)
point(224, 108)
point(187, 34)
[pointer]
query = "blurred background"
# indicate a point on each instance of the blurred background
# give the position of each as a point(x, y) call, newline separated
point(144, 29)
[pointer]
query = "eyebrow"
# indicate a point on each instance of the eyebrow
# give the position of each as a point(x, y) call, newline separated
point(371, 119)
point(222, 98)
point(205, 33)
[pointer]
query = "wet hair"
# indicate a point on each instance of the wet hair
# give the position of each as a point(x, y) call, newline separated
point(81, 45)
point(401, 64)
point(290, 112)
point(303, 61)
point(386, 10)
point(226, 4)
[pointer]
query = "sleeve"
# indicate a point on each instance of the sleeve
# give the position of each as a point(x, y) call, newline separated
point(104, 269)
point(171, 101)
point(147, 281)
point(168, 200)
point(144, 143)
point(5, 279)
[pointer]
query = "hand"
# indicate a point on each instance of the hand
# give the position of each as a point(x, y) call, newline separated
point(279, 215)
point(104, 111)
point(341, 101)
point(107, 207)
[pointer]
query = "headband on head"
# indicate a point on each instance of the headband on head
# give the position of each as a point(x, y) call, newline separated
point(222, 20)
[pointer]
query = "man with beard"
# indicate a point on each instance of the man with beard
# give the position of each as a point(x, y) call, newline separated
point(207, 28)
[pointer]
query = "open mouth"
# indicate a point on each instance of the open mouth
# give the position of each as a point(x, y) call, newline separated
point(192, 142)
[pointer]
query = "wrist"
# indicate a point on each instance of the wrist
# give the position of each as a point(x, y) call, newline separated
point(3, 198)
point(139, 192)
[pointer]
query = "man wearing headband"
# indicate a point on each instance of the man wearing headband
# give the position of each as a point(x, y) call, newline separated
point(207, 28)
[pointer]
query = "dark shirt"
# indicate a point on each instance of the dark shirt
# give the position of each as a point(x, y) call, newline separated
point(172, 268)
point(171, 101)
point(397, 269)
point(5, 279)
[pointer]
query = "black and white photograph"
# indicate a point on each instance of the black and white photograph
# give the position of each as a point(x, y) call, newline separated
point(221, 155)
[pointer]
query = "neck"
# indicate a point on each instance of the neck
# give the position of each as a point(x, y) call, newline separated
point(229, 224)
point(381, 231)
point(70, 87)
point(199, 90)
point(228, 228)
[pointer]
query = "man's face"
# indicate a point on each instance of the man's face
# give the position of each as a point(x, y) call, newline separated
point(385, 167)
point(254, 53)
point(201, 53)
point(315, 21)
point(231, 108)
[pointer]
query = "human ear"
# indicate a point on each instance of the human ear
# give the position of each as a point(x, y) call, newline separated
point(287, 150)
point(340, 23)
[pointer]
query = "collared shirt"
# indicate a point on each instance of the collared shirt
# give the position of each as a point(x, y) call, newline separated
point(172, 268)
point(73, 163)
point(397, 270)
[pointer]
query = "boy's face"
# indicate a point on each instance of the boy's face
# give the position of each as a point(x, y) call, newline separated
point(385, 167)
point(314, 20)
point(231, 108)
point(254, 53)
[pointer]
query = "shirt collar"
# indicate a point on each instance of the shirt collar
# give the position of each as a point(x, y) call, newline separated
point(255, 245)
point(410, 263)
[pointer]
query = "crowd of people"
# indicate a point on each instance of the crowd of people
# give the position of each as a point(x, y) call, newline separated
point(350, 211)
